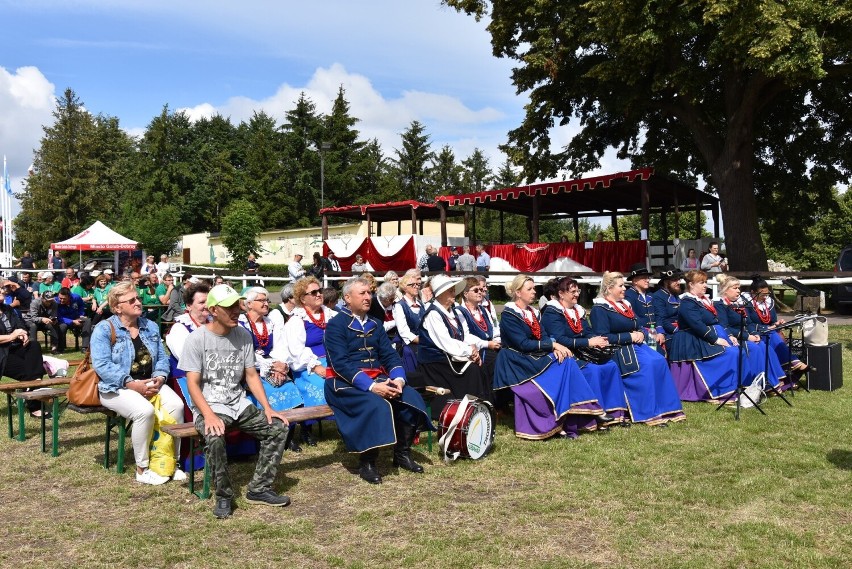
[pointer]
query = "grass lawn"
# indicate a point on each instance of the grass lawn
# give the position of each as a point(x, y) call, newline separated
point(773, 491)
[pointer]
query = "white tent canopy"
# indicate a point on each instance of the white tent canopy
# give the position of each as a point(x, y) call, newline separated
point(97, 237)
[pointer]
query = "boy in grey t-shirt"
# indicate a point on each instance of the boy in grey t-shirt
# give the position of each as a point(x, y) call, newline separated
point(216, 357)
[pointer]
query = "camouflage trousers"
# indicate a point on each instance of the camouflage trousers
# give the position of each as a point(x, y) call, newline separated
point(272, 437)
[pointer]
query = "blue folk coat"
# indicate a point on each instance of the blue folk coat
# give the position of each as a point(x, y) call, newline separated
point(359, 355)
point(643, 307)
point(522, 356)
point(696, 336)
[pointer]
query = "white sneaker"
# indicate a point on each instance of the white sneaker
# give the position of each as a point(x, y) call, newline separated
point(150, 477)
point(179, 475)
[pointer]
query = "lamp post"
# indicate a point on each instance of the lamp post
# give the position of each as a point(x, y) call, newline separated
point(322, 148)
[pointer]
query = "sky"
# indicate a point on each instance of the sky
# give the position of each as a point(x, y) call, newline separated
point(397, 60)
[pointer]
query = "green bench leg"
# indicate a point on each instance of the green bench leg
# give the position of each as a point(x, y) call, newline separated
point(106, 442)
point(120, 422)
point(43, 425)
point(9, 415)
point(429, 432)
point(55, 441)
point(205, 489)
point(122, 436)
point(22, 435)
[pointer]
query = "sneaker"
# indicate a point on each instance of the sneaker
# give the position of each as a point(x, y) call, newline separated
point(268, 498)
point(223, 508)
point(150, 477)
point(179, 475)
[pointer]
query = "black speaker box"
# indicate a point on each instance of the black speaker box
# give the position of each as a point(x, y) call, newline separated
point(829, 367)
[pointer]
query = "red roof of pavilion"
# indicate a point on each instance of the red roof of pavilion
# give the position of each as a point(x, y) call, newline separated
point(548, 188)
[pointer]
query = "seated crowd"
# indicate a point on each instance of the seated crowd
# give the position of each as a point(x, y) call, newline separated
point(233, 362)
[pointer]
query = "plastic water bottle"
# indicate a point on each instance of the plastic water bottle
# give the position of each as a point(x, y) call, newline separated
point(651, 336)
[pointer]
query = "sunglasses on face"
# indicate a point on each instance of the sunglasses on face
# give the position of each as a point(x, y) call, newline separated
point(315, 292)
point(133, 300)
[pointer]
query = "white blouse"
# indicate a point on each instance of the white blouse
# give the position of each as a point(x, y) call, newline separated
point(291, 347)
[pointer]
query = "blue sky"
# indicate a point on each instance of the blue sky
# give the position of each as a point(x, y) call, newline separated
point(398, 61)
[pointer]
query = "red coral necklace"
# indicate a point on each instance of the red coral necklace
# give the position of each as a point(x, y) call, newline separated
point(318, 322)
point(262, 336)
point(575, 323)
point(626, 312)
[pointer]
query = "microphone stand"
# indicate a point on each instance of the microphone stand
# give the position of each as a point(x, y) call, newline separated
point(742, 338)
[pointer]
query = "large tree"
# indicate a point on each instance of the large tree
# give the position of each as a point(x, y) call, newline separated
point(412, 163)
point(715, 88)
point(80, 174)
point(302, 129)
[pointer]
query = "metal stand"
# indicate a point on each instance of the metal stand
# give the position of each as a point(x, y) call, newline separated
point(742, 338)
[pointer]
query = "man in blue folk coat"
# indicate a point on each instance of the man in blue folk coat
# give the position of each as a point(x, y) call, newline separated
point(366, 386)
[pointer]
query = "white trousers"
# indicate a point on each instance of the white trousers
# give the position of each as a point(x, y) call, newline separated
point(134, 407)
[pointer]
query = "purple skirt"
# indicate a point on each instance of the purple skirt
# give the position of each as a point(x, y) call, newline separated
point(560, 397)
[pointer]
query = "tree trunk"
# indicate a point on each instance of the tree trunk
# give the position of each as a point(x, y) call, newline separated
point(733, 176)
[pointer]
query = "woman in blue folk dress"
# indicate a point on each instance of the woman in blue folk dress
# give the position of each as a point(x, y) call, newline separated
point(407, 313)
point(551, 394)
point(666, 302)
point(703, 354)
point(733, 316)
point(273, 369)
point(301, 346)
point(648, 385)
point(566, 322)
point(761, 311)
point(476, 322)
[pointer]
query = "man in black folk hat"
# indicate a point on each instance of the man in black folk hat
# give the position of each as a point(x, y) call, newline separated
point(666, 302)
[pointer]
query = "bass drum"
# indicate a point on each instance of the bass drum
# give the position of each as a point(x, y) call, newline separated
point(466, 428)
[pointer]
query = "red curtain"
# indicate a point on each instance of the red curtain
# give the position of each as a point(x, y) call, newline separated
point(532, 257)
point(400, 261)
point(603, 256)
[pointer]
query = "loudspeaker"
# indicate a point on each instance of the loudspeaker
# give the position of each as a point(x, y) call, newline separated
point(829, 367)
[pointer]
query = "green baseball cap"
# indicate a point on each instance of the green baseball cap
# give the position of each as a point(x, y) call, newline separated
point(223, 295)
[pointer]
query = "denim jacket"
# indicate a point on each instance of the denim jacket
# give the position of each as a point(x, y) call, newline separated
point(112, 363)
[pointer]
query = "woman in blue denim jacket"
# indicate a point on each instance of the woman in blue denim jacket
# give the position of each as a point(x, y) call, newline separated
point(132, 370)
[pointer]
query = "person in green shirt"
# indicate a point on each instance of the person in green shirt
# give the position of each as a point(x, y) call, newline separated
point(48, 283)
point(100, 303)
point(85, 289)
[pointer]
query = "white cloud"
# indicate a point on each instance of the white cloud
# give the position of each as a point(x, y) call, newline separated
point(27, 102)
point(379, 117)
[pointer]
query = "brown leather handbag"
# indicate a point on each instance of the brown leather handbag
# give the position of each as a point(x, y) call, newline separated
point(83, 387)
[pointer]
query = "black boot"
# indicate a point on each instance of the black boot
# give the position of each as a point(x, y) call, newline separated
point(402, 450)
point(367, 468)
point(307, 436)
point(293, 445)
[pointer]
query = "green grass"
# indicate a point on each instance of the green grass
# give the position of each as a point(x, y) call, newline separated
point(769, 491)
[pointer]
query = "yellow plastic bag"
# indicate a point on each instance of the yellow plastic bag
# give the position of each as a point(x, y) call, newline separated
point(162, 446)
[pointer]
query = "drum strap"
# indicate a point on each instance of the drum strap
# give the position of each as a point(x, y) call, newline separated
point(444, 441)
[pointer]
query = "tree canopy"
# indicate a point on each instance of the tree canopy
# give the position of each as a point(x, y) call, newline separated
point(752, 96)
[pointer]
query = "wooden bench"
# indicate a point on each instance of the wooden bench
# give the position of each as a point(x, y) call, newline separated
point(42, 395)
point(188, 431)
point(14, 389)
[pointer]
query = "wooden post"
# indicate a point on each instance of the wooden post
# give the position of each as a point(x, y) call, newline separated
point(614, 222)
point(369, 225)
point(576, 228)
point(502, 235)
point(664, 223)
point(324, 228)
point(646, 199)
point(443, 207)
point(676, 217)
point(535, 215)
point(697, 216)
point(413, 221)
point(716, 219)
